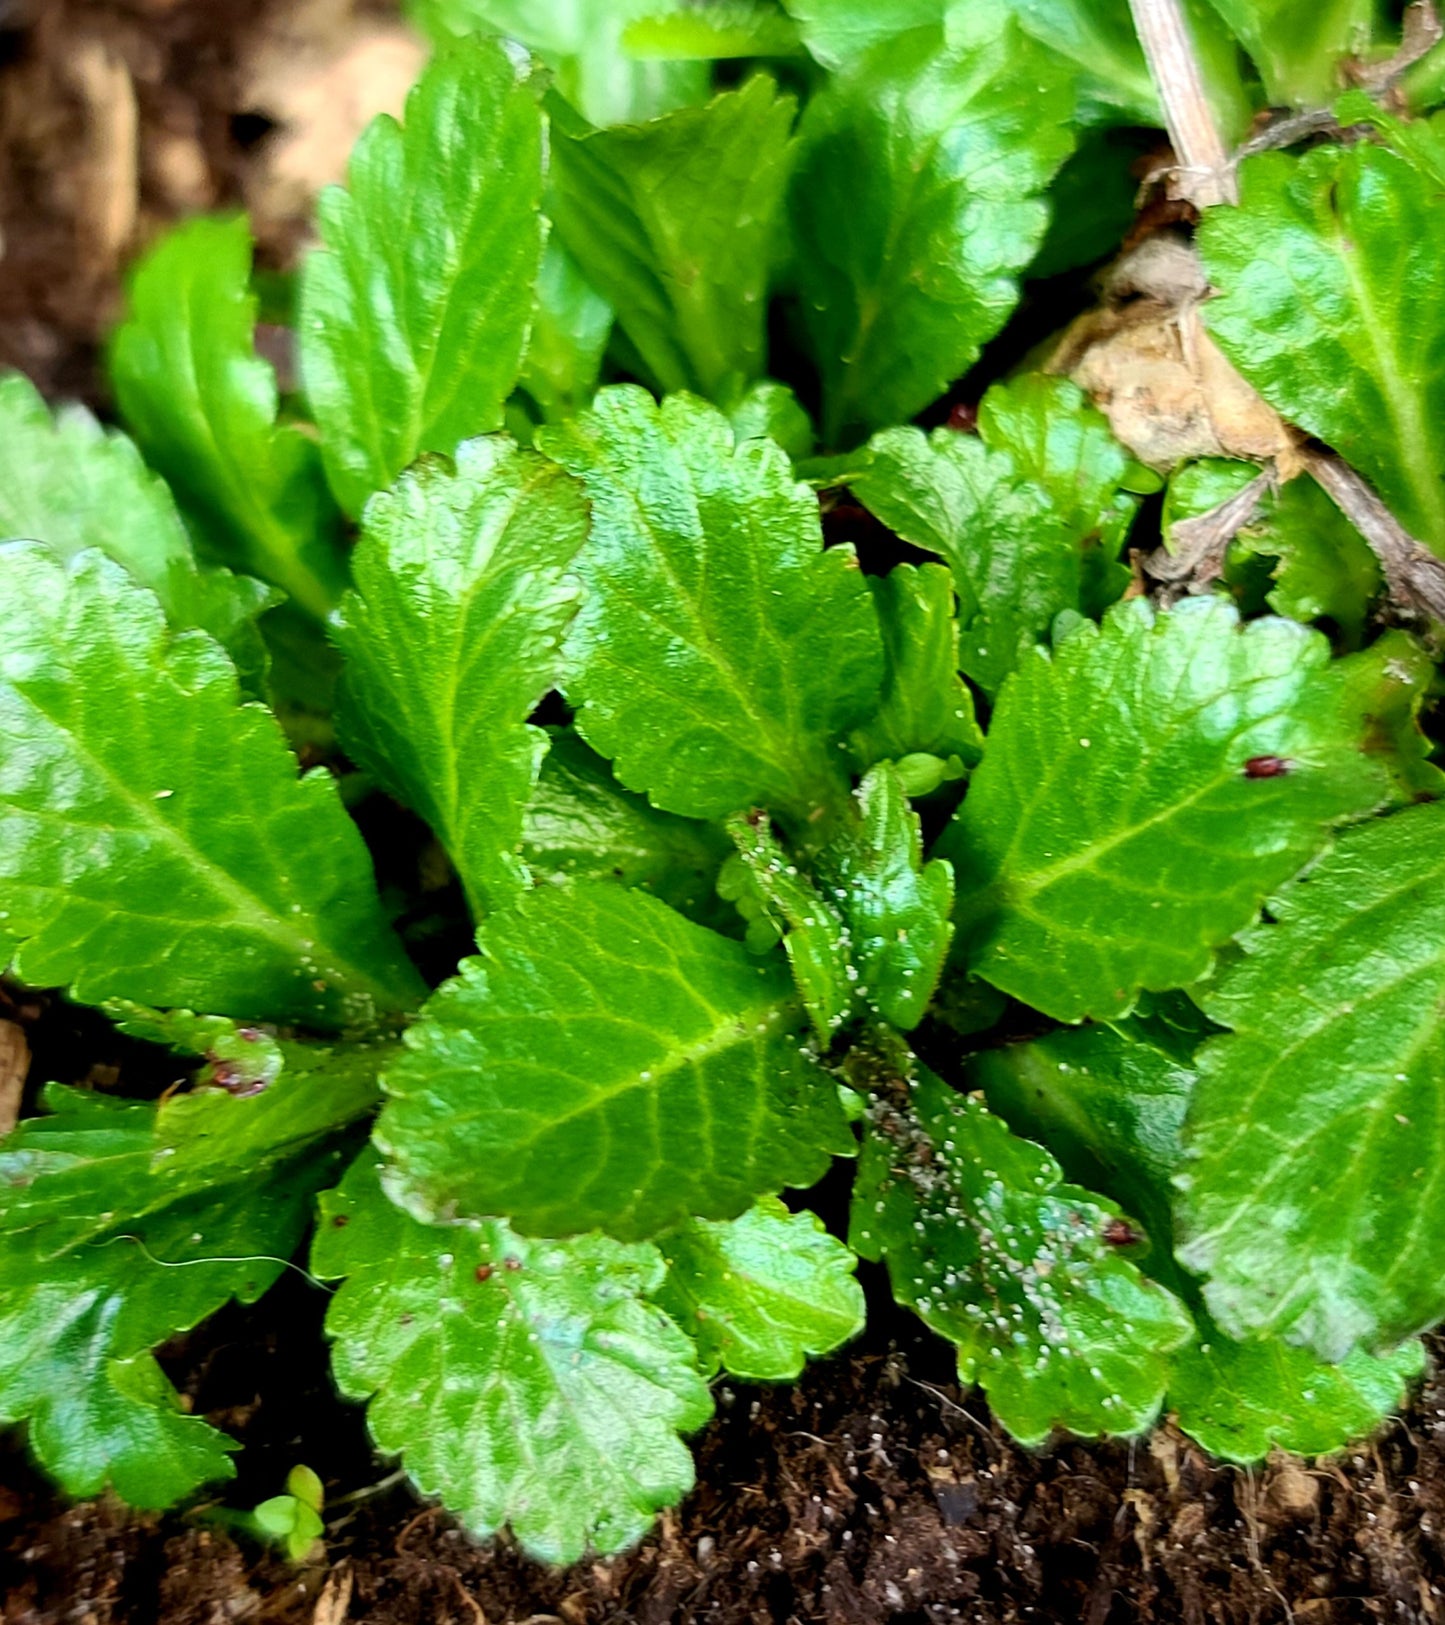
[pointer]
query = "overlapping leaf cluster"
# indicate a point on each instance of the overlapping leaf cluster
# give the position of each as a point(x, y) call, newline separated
point(767, 847)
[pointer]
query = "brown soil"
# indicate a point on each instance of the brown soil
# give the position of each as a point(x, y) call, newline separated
point(873, 1491)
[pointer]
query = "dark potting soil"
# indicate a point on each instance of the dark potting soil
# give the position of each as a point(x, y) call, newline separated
point(873, 1491)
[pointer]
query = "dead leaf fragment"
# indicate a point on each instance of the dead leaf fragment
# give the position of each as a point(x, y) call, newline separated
point(1150, 365)
point(14, 1065)
point(334, 1603)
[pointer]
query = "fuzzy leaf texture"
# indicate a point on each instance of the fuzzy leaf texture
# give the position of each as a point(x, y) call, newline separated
point(896, 906)
point(582, 825)
point(71, 484)
point(675, 223)
point(202, 406)
point(719, 651)
point(994, 1253)
point(1111, 1103)
point(122, 1224)
point(605, 1064)
point(1332, 304)
point(415, 313)
point(155, 840)
point(917, 202)
point(762, 1293)
point(451, 638)
point(1017, 511)
point(1315, 1188)
point(523, 1382)
point(1116, 833)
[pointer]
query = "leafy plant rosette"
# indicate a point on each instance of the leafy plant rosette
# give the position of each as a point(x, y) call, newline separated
point(1105, 936)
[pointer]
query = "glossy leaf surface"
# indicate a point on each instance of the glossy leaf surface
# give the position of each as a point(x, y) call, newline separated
point(1017, 512)
point(917, 203)
point(895, 905)
point(452, 637)
point(995, 1253)
point(1112, 1103)
point(1116, 832)
point(1316, 1176)
point(524, 1382)
point(415, 313)
point(762, 1293)
point(1332, 304)
point(675, 223)
point(122, 1224)
point(719, 651)
point(203, 406)
point(605, 1064)
point(156, 842)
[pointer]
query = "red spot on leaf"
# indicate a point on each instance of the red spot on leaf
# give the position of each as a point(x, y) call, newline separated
point(1267, 767)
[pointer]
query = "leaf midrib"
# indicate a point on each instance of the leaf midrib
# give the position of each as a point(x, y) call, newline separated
point(246, 907)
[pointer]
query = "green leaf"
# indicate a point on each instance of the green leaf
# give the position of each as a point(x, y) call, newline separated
point(1381, 692)
point(1315, 1190)
point(71, 484)
point(605, 1064)
point(762, 1293)
point(1242, 1400)
point(1420, 141)
point(1332, 305)
point(1098, 37)
point(582, 825)
point(452, 637)
point(896, 906)
point(674, 222)
point(993, 1252)
point(926, 706)
point(522, 1382)
point(720, 650)
point(122, 1224)
point(770, 410)
point(155, 840)
point(584, 47)
point(1017, 512)
point(1300, 46)
point(202, 406)
point(1112, 1104)
point(1115, 834)
point(838, 32)
point(570, 330)
point(917, 203)
point(723, 29)
point(415, 314)
point(1323, 567)
point(814, 938)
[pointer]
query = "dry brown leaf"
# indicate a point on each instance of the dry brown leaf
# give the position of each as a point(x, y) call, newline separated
point(322, 92)
point(14, 1065)
point(1165, 386)
point(109, 171)
point(334, 1603)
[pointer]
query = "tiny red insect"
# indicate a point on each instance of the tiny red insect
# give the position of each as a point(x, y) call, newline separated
point(484, 1272)
point(1120, 1233)
point(1267, 767)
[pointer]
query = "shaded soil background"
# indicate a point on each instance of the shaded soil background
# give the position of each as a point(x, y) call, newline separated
point(873, 1491)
